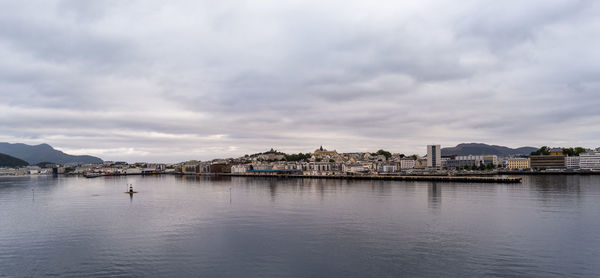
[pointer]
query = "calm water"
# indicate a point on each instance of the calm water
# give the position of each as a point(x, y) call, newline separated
point(244, 227)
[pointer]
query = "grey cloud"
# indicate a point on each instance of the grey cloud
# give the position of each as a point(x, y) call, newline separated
point(148, 80)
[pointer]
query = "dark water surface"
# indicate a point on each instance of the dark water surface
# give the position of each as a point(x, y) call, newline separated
point(548, 226)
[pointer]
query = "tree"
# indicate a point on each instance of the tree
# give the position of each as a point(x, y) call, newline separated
point(573, 151)
point(544, 150)
point(331, 160)
point(384, 153)
point(568, 151)
point(297, 157)
point(318, 159)
point(579, 150)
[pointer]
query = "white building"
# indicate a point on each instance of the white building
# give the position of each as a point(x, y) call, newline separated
point(387, 168)
point(572, 162)
point(407, 163)
point(434, 156)
point(589, 161)
point(133, 171)
point(239, 169)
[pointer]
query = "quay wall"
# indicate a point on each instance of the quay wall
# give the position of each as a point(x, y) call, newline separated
point(473, 179)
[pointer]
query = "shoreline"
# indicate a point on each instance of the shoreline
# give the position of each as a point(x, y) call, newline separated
point(486, 177)
point(470, 179)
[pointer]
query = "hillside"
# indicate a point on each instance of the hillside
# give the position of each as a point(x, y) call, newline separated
point(480, 148)
point(11, 161)
point(44, 153)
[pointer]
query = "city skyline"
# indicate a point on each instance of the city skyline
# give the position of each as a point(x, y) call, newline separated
point(148, 81)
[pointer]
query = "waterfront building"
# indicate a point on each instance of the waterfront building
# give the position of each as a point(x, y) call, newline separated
point(188, 168)
point(490, 159)
point(296, 166)
point(239, 169)
point(572, 162)
point(434, 156)
point(461, 161)
point(354, 169)
point(261, 166)
point(541, 162)
point(407, 163)
point(589, 161)
point(220, 168)
point(137, 171)
point(445, 160)
point(387, 168)
point(518, 163)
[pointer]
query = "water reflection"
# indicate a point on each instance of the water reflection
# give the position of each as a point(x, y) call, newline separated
point(188, 226)
point(434, 194)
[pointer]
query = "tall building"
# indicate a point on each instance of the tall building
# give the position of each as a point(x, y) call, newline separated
point(434, 156)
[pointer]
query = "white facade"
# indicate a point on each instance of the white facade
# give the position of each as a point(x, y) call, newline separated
point(239, 169)
point(133, 171)
point(477, 158)
point(434, 156)
point(387, 168)
point(589, 161)
point(572, 162)
point(407, 164)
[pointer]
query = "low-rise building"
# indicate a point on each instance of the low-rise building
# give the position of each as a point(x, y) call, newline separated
point(518, 163)
point(589, 161)
point(490, 159)
point(572, 162)
point(461, 161)
point(133, 171)
point(220, 168)
point(239, 169)
point(407, 163)
point(387, 168)
point(190, 168)
point(542, 162)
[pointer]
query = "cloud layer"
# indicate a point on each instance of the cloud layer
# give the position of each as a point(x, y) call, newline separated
point(157, 81)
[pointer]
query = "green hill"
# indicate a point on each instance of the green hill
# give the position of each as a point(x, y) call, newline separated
point(11, 161)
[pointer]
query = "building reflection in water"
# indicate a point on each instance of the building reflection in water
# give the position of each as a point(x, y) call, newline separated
point(434, 195)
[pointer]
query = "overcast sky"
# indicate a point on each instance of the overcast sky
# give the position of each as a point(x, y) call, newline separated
point(178, 80)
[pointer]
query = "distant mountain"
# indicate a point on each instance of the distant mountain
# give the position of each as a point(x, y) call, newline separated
point(480, 148)
point(11, 161)
point(44, 153)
